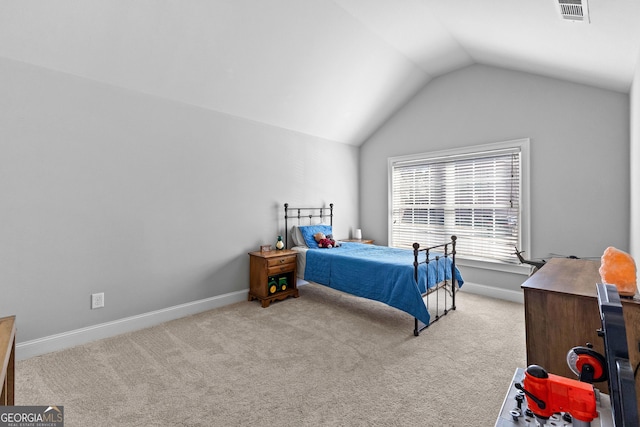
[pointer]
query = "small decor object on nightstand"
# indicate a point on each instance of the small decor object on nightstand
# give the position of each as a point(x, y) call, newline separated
point(279, 243)
point(357, 234)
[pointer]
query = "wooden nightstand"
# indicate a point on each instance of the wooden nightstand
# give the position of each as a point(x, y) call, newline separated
point(272, 275)
point(365, 241)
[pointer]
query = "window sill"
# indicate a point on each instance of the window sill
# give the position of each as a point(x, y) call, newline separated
point(495, 266)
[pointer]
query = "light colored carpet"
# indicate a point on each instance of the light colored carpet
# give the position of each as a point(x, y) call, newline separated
point(326, 359)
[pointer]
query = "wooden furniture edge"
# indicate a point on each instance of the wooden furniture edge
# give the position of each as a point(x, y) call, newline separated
point(7, 355)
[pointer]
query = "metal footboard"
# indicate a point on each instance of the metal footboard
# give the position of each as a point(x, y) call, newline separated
point(442, 286)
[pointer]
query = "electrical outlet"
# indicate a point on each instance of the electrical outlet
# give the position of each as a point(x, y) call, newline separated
point(97, 300)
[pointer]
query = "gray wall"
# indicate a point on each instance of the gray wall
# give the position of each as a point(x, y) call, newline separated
point(579, 155)
point(152, 202)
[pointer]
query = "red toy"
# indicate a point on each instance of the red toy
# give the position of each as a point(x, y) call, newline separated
point(325, 241)
point(548, 393)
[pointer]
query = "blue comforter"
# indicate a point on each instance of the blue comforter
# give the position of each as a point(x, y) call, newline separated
point(379, 273)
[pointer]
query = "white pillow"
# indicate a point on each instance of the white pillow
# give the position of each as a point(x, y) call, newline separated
point(296, 236)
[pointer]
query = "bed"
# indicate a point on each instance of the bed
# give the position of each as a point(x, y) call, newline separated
point(421, 281)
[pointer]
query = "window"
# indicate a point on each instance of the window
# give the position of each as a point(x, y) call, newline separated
point(478, 194)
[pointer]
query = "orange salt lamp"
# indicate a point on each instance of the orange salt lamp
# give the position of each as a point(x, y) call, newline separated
point(618, 268)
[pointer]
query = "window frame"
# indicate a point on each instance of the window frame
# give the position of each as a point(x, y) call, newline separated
point(523, 145)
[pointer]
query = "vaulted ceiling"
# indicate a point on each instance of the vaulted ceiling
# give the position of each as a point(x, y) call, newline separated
point(333, 69)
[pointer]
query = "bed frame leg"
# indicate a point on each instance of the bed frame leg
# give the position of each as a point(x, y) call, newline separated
point(417, 329)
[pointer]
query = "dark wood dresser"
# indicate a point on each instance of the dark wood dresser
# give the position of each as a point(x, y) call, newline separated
point(561, 312)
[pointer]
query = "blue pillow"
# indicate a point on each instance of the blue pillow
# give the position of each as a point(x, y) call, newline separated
point(309, 230)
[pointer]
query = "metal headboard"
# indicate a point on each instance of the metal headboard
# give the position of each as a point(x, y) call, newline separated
point(304, 213)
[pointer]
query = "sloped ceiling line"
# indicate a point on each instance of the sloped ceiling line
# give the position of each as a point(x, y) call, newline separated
point(335, 70)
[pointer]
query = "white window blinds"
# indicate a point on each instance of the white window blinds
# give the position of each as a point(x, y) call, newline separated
point(473, 195)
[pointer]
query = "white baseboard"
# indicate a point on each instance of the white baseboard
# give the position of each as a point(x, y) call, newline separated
point(493, 292)
point(80, 336)
point(76, 337)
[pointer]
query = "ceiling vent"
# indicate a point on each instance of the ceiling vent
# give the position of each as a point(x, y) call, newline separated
point(574, 10)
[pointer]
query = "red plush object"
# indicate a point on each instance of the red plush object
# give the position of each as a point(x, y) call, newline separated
point(326, 243)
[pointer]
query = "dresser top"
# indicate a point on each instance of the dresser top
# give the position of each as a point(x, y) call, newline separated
point(569, 276)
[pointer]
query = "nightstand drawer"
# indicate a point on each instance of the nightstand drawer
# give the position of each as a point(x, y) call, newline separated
point(274, 262)
point(278, 269)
